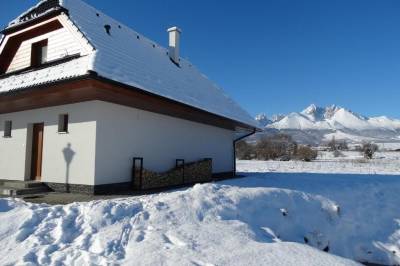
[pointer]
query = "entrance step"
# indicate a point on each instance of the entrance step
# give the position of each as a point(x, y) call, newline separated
point(20, 184)
point(18, 188)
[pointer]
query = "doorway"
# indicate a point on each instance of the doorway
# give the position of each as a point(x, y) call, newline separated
point(37, 151)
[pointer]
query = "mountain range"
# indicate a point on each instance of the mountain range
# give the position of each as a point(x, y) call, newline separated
point(315, 125)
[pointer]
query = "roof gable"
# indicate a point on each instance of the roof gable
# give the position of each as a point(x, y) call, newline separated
point(63, 38)
point(43, 9)
point(128, 57)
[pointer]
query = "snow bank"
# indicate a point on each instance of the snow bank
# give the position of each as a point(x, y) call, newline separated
point(262, 219)
point(210, 224)
point(369, 226)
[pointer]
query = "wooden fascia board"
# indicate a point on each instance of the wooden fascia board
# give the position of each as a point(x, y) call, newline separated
point(89, 89)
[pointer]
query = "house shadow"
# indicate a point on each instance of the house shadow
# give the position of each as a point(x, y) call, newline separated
point(69, 154)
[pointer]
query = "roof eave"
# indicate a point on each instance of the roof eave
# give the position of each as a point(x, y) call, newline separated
point(239, 124)
point(92, 75)
point(17, 27)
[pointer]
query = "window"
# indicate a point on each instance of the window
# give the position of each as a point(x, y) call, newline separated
point(7, 129)
point(63, 123)
point(39, 53)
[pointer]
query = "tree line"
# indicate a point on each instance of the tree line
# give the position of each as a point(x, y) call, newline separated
point(277, 147)
point(282, 147)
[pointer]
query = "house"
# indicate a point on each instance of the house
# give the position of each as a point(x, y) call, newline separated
point(89, 105)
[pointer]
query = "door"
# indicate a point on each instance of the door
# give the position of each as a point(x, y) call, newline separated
point(37, 151)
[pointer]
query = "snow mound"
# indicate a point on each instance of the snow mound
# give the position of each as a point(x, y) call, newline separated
point(210, 224)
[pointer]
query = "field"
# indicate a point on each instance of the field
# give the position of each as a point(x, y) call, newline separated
point(352, 162)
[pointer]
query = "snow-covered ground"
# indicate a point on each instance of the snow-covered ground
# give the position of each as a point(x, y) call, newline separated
point(352, 162)
point(264, 218)
point(236, 222)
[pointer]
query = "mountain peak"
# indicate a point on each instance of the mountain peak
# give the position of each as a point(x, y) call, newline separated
point(314, 112)
point(331, 110)
point(263, 120)
point(312, 108)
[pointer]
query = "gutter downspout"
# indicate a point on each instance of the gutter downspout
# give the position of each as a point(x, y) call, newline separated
point(234, 148)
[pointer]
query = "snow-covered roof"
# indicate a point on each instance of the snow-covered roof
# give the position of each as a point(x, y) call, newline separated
point(63, 71)
point(128, 57)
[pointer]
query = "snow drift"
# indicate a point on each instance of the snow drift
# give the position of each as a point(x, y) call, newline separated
point(302, 221)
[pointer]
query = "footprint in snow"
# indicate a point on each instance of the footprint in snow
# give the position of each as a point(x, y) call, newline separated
point(161, 206)
point(201, 263)
point(170, 239)
point(140, 236)
point(270, 234)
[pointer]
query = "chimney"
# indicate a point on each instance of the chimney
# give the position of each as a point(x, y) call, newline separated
point(174, 43)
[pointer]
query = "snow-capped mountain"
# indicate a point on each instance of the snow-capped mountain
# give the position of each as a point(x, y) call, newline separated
point(263, 120)
point(318, 124)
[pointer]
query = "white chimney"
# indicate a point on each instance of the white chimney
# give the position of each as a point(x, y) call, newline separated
point(174, 43)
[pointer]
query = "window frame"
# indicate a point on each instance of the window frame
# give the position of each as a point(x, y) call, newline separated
point(63, 123)
point(7, 129)
point(37, 52)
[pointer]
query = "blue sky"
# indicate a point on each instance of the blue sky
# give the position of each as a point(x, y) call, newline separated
point(278, 56)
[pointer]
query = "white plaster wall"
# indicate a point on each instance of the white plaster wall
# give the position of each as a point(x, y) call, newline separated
point(124, 133)
point(15, 153)
point(104, 138)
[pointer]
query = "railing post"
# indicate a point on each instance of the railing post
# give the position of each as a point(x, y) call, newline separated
point(211, 162)
point(180, 163)
point(137, 173)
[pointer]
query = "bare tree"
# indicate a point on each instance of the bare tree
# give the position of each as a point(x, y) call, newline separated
point(342, 145)
point(306, 153)
point(369, 149)
point(244, 150)
point(279, 146)
point(332, 144)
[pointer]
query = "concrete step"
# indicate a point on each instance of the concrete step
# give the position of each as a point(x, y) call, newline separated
point(17, 188)
point(21, 184)
point(11, 191)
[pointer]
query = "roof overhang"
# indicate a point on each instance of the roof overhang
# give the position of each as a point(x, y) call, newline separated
point(93, 87)
point(29, 23)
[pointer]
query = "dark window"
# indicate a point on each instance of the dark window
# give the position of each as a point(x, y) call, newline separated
point(63, 123)
point(39, 53)
point(7, 129)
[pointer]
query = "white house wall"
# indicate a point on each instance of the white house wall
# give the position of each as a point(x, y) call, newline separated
point(124, 133)
point(15, 152)
point(104, 138)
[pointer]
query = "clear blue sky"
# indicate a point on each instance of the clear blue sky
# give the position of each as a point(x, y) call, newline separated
point(278, 56)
